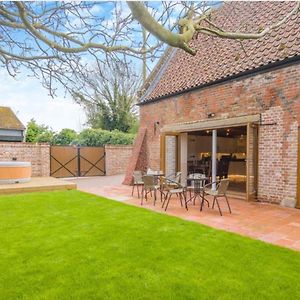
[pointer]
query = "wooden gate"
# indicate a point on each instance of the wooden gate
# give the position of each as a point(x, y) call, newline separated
point(73, 161)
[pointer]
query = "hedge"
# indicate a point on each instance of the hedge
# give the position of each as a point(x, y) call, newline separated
point(100, 137)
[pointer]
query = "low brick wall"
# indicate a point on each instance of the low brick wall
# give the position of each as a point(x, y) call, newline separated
point(37, 154)
point(117, 159)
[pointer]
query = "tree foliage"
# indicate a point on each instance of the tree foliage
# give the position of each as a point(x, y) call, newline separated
point(38, 133)
point(58, 41)
point(65, 137)
point(110, 103)
point(99, 137)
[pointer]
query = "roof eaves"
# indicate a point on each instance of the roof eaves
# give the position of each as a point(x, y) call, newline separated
point(263, 68)
point(14, 128)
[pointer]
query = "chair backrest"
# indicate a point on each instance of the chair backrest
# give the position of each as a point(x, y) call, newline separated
point(149, 181)
point(137, 176)
point(197, 184)
point(149, 171)
point(166, 183)
point(177, 177)
point(223, 186)
point(196, 176)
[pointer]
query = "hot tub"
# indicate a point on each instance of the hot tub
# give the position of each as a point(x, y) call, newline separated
point(14, 172)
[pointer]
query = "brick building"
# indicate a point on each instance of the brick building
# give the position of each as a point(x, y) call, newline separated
point(248, 92)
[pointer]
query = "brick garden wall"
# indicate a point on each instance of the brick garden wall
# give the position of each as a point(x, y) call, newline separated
point(117, 159)
point(37, 154)
point(275, 94)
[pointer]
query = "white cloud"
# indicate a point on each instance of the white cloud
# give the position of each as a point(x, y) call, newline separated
point(29, 100)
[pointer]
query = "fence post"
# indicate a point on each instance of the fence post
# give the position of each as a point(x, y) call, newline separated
point(78, 161)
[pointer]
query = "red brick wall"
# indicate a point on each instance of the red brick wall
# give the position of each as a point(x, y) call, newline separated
point(117, 159)
point(275, 94)
point(139, 159)
point(37, 154)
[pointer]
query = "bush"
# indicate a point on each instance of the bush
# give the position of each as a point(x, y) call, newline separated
point(36, 133)
point(100, 137)
point(65, 137)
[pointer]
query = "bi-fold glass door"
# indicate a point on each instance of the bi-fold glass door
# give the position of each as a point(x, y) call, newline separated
point(170, 157)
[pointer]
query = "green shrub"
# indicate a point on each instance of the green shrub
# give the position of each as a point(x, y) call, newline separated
point(100, 137)
point(65, 137)
point(36, 133)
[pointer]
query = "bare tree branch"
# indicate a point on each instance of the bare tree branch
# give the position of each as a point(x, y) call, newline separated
point(61, 42)
point(190, 26)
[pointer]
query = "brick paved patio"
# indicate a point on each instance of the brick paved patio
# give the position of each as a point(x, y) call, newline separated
point(263, 221)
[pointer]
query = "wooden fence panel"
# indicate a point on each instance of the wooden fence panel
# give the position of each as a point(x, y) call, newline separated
point(73, 161)
point(92, 161)
point(63, 161)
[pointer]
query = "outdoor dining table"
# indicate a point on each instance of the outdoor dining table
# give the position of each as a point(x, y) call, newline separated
point(198, 184)
point(157, 174)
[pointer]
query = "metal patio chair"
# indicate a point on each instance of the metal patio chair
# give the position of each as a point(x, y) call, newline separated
point(166, 185)
point(137, 181)
point(178, 190)
point(150, 185)
point(174, 179)
point(221, 190)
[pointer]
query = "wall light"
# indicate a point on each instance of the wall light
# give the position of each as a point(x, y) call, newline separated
point(211, 115)
point(156, 124)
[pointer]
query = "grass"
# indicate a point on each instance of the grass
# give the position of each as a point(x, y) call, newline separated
point(71, 245)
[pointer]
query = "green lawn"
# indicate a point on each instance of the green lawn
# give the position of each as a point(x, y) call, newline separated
point(71, 245)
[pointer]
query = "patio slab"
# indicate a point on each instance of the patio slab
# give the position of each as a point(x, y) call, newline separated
point(263, 221)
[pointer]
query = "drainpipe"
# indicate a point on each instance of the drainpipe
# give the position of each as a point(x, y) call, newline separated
point(214, 159)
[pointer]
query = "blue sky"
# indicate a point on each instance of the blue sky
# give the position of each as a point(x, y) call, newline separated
point(26, 96)
point(28, 99)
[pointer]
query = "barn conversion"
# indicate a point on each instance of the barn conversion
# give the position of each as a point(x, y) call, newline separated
point(235, 103)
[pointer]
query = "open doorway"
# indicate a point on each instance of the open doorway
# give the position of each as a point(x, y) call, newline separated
point(231, 156)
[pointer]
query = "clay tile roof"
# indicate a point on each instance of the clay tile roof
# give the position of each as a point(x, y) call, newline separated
point(8, 120)
point(217, 58)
